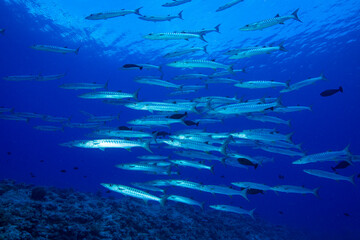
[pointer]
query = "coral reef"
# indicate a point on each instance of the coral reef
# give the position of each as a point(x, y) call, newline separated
point(28, 212)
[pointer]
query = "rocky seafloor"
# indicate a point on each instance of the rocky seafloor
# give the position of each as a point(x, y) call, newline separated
point(31, 212)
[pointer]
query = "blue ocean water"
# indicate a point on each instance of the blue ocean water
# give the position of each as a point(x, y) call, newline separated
point(326, 42)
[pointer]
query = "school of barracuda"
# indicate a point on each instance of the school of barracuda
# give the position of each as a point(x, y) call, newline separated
point(192, 148)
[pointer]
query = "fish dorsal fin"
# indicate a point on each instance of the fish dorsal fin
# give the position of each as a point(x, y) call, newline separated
point(277, 15)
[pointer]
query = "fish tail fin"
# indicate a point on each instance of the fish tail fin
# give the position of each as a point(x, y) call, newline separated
point(251, 213)
point(106, 85)
point(289, 123)
point(295, 15)
point(202, 205)
point(352, 179)
point(154, 135)
point(205, 49)
point(282, 48)
point(223, 147)
point(323, 76)
point(256, 166)
point(136, 94)
point(243, 70)
point(201, 36)
point(87, 114)
point(217, 28)
point(341, 89)
point(243, 193)
point(316, 192)
point(163, 200)
point(137, 11)
point(77, 50)
point(289, 137)
point(212, 169)
point(147, 146)
point(180, 15)
point(288, 83)
point(346, 150)
point(197, 124)
point(231, 69)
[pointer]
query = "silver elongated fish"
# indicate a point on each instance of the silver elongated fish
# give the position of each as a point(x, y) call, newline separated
point(49, 118)
point(158, 82)
point(265, 118)
point(221, 80)
point(113, 14)
point(190, 76)
point(49, 128)
point(162, 107)
point(252, 185)
point(173, 36)
point(263, 135)
point(181, 52)
point(198, 155)
point(133, 192)
point(238, 210)
point(148, 187)
point(204, 30)
point(200, 64)
point(144, 168)
point(155, 121)
point(89, 86)
point(242, 108)
point(225, 73)
point(49, 48)
point(295, 189)
point(122, 133)
point(225, 191)
point(83, 125)
point(28, 115)
point(21, 78)
point(282, 151)
point(324, 156)
point(287, 109)
point(109, 95)
point(174, 3)
point(5, 109)
point(228, 5)
point(181, 199)
point(270, 22)
point(304, 83)
point(193, 145)
point(93, 118)
point(260, 84)
point(109, 143)
point(153, 157)
point(50, 77)
point(254, 51)
point(329, 175)
point(194, 164)
point(161, 18)
point(13, 118)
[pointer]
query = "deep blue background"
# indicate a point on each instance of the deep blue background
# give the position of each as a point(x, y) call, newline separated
point(326, 42)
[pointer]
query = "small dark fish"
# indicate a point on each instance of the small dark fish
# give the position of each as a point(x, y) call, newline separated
point(41, 160)
point(76, 168)
point(246, 162)
point(85, 177)
point(63, 171)
point(330, 92)
point(8, 153)
point(178, 115)
point(222, 176)
point(341, 165)
point(191, 123)
point(358, 175)
point(254, 191)
point(124, 128)
point(162, 134)
point(281, 176)
point(132, 66)
point(32, 175)
point(346, 214)
point(281, 212)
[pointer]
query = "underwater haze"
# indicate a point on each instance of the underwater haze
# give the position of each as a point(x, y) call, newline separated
point(276, 104)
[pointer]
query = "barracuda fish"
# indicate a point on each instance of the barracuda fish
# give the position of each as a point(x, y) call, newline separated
point(263, 135)
point(109, 95)
point(329, 175)
point(174, 3)
point(93, 118)
point(89, 86)
point(295, 189)
point(193, 87)
point(222, 80)
point(114, 14)
point(157, 163)
point(282, 144)
point(153, 157)
point(109, 143)
point(260, 84)
point(144, 168)
point(188, 144)
point(21, 78)
point(4, 109)
point(292, 109)
point(270, 22)
point(49, 118)
point(254, 51)
point(228, 208)
point(225, 191)
point(252, 185)
point(193, 164)
point(264, 118)
point(56, 49)
point(217, 99)
point(304, 83)
point(148, 187)
point(133, 192)
point(181, 92)
point(208, 120)
point(241, 108)
point(324, 156)
point(198, 155)
point(190, 76)
point(161, 18)
point(173, 36)
point(28, 115)
point(225, 73)
point(50, 77)
point(185, 184)
point(155, 121)
point(197, 138)
point(204, 30)
point(228, 5)
point(161, 107)
point(181, 199)
point(141, 66)
point(13, 117)
point(159, 183)
point(200, 64)
point(158, 82)
point(282, 151)
point(181, 52)
point(49, 128)
point(83, 125)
